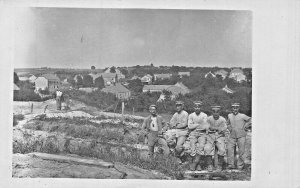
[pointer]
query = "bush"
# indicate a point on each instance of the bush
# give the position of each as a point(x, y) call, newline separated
point(17, 118)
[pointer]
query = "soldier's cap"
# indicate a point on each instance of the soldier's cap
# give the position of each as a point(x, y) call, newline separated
point(235, 104)
point(198, 103)
point(152, 105)
point(179, 103)
point(215, 107)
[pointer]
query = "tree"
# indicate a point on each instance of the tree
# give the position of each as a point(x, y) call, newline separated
point(113, 69)
point(124, 71)
point(16, 78)
point(71, 81)
point(135, 85)
point(99, 82)
point(79, 81)
point(87, 81)
point(93, 67)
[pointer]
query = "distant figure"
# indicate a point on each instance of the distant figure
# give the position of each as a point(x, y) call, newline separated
point(58, 99)
point(237, 125)
point(154, 125)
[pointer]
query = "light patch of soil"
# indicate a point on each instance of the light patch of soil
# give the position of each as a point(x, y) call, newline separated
point(25, 165)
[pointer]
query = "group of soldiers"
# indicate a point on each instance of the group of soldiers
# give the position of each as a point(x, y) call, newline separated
point(205, 134)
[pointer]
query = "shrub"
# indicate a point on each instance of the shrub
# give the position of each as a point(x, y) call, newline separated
point(17, 118)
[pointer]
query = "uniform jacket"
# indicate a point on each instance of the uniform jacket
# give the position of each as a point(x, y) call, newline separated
point(237, 124)
point(160, 123)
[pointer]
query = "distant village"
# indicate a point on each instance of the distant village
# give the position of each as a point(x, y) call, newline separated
point(117, 83)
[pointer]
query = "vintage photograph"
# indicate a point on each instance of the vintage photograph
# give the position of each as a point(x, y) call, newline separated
point(107, 93)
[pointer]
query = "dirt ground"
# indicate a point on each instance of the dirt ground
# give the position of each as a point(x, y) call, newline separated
point(25, 165)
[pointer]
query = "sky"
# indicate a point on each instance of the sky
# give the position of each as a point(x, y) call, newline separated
point(81, 38)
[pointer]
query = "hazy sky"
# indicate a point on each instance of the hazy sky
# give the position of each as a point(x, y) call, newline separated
point(80, 38)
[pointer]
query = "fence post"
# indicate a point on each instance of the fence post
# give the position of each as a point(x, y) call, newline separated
point(31, 108)
point(122, 111)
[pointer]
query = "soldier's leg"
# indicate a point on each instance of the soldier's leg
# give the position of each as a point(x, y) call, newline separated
point(179, 145)
point(241, 144)
point(230, 152)
point(152, 139)
point(200, 150)
point(209, 150)
point(163, 143)
point(221, 152)
point(193, 141)
point(201, 144)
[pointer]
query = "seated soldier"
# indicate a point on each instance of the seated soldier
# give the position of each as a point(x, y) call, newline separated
point(198, 127)
point(154, 125)
point(179, 121)
point(216, 137)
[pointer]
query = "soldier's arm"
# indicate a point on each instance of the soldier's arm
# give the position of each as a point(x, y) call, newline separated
point(172, 121)
point(248, 121)
point(191, 123)
point(183, 122)
point(223, 126)
point(229, 126)
point(164, 125)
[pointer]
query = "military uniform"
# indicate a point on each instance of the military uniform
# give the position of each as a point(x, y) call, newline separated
point(179, 121)
point(198, 126)
point(216, 137)
point(154, 127)
point(237, 123)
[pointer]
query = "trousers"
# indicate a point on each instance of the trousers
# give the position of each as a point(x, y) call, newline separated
point(241, 151)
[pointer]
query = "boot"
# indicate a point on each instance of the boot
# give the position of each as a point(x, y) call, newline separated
point(193, 163)
point(220, 163)
point(209, 163)
point(198, 163)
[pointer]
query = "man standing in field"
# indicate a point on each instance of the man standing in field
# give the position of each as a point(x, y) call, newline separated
point(197, 124)
point(179, 121)
point(216, 137)
point(237, 123)
point(154, 125)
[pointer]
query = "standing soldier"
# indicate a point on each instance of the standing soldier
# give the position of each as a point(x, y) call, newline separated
point(216, 137)
point(197, 123)
point(237, 123)
point(154, 125)
point(179, 121)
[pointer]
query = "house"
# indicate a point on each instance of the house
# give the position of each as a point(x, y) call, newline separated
point(32, 78)
point(135, 77)
point(119, 90)
point(227, 89)
point(155, 88)
point(47, 81)
point(88, 89)
point(162, 76)
point(176, 89)
point(181, 74)
point(109, 78)
point(118, 72)
point(23, 78)
point(16, 88)
point(147, 79)
point(237, 74)
point(210, 74)
point(222, 73)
